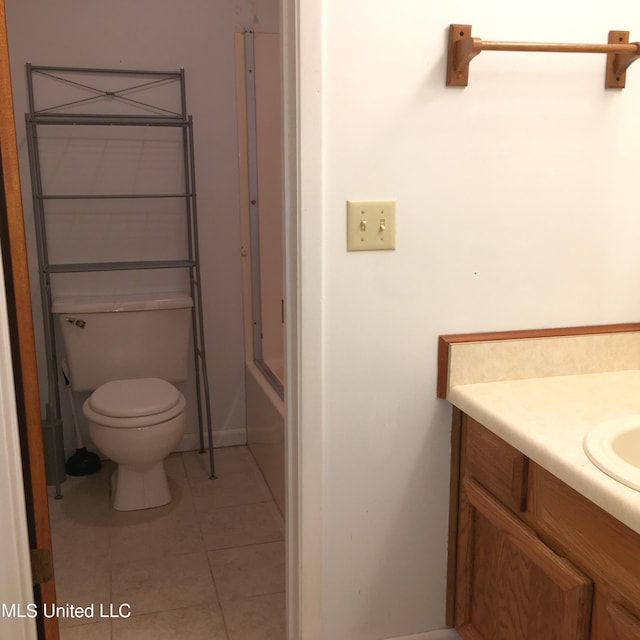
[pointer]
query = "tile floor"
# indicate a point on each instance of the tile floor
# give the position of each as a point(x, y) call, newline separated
point(210, 565)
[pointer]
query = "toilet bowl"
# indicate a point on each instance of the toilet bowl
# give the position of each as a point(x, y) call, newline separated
point(137, 423)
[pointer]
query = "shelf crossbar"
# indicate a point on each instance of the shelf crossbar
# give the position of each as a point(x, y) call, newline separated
point(77, 267)
point(111, 196)
point(105, 119)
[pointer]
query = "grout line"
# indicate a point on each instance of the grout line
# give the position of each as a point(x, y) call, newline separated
point(215, 588)
point(248, 544)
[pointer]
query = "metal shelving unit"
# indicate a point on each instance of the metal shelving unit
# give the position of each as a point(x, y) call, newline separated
point(87, 97)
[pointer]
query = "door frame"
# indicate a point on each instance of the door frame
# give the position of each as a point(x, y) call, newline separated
point(16, 586)
point(301, 46)
point(22, 344)
point(301, 29)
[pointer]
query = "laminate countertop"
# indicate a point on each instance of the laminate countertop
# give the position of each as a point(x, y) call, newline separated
point(546, 418)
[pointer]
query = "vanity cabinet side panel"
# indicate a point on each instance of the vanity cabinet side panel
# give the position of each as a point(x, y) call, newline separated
point(454, 489)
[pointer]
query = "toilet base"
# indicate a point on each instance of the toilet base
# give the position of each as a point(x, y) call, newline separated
point(132, 489)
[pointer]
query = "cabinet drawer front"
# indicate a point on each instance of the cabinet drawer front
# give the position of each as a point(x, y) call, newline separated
point(497, 465)
point(510, 584)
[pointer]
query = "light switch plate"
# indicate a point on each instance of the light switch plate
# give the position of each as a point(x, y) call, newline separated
point(371, 225)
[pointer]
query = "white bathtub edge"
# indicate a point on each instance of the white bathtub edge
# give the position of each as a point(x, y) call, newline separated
point(266, 387)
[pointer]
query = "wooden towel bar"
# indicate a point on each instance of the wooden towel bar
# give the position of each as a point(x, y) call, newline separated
point(463, 48)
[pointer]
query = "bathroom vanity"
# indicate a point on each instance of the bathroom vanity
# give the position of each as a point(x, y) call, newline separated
point(542, 544)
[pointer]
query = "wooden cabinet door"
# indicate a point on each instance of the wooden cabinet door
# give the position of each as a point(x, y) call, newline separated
point(509, 584)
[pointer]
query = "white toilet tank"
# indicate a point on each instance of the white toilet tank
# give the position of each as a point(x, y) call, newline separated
point(121, 337)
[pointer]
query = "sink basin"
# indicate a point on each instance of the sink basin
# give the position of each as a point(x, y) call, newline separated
point(614, 447)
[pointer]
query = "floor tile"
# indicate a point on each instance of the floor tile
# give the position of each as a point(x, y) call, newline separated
point(155, 585)
point(169, 535)
point(226, 459)
point(229, 489)
point(81, 583)
point(219, 539)
point(241, 525)
point(242, 572)
point(258, 618)
point(73, 541)
point(190, 623)
point(80, 520)
point(94, 631)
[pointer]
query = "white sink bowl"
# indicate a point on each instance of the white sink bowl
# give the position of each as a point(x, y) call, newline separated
point(614, 447)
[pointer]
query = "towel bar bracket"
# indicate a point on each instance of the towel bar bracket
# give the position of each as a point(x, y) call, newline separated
point(618, 63)
point(460, 55)
point(462, 48)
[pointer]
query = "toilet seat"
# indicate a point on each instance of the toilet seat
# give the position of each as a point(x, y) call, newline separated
point(139, 402)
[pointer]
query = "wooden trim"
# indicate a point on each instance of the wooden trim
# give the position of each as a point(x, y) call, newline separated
point(444, 342)
point(443, 367)
point(22, 338)
point(454, 498)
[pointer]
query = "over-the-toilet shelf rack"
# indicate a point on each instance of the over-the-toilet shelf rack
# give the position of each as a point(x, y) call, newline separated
point(105, 97)
point(463, 48)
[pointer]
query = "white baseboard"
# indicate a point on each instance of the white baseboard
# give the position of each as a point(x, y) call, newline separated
point(221, 438)
point(440, 634)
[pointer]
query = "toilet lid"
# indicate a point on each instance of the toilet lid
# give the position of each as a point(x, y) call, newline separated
point(133, 398)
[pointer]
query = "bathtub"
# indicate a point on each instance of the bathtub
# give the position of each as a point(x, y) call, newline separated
point(265, 430)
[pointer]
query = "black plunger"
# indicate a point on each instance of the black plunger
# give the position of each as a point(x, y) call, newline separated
point(82, 462)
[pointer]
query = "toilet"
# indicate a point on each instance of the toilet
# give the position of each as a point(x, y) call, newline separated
point(128, 351)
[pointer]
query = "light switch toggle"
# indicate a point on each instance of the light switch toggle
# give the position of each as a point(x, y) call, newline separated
point(363, 234)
